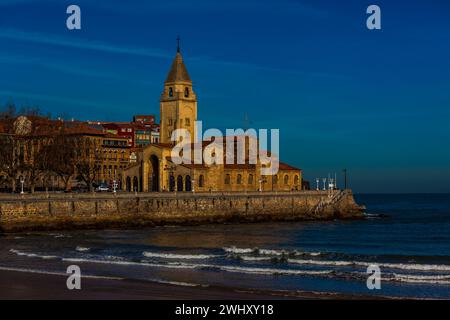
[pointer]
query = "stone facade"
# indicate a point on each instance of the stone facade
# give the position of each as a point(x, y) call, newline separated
point(155, 171)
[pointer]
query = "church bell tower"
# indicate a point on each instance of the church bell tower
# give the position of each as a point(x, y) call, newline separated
point(178, 106)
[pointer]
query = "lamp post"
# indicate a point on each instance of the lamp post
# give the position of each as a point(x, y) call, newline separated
point(324, 180)
point(317, 184)
point(22, 181)
point(115, 185)
point(193, 185)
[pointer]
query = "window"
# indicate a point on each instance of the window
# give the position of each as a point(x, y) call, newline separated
point(239, 179)
point(250, 179)
point(275, 179)
point(170, 92)
point(186, 92)
point(296, 180)
point(188, 122)
point(227, 179)
point(286, 179)
point(201, 181)
point(170, 121)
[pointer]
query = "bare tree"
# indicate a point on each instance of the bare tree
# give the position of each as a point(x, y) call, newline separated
point(87, 153)
point(60, 157)
point(9, 162)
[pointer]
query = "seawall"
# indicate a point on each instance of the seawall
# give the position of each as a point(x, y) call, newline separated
point(98, 211)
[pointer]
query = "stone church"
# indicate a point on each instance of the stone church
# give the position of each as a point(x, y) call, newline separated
point(155, 170)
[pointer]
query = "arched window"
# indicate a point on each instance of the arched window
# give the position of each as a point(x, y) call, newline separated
point(239, 179)
point(186, 92)
point(250, 179)
point(296, 180)
point(275, 179)
point(128, 184)
point(170, 92)
point(179, 183)
point(201, 181)
point(286, 179)
point(227, 179)
point(135, 184)
point(188, 184)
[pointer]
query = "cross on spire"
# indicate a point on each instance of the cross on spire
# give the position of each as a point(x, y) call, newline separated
point(178, 44)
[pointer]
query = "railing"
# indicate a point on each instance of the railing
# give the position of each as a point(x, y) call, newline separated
point(330, 200)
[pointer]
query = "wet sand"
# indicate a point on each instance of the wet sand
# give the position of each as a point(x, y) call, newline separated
point(36, 286)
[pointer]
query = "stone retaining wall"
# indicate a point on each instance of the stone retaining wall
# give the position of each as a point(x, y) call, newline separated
point(62, 211)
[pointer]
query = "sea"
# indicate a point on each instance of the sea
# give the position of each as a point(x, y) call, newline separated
point(406, 236)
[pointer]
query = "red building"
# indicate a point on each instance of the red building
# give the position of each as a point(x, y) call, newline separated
point(142, 131)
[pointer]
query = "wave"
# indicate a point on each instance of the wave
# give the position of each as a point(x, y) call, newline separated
point(82, 249)
point(251, 258)
point(267, 271)
point(401, 266)
point(179, 265)
point(59, 235)
point(398, 277)
point(178, 283)
point(36, 271)
point(422, 279)
point(178, 256)
point(269, 252)
point(321, 262)
point(32, 255)
point(238, 250)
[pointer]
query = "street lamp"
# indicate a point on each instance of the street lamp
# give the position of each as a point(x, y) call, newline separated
point(317, 184)
point(115, 185)
point(22, 181)
point(193, 185)
point(324, 183)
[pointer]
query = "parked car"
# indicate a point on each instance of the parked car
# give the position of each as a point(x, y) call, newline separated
point(103, 188)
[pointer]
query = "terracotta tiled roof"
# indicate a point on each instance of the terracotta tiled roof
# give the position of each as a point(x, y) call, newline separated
point(240, 166)
point(83, 130)
point(284, 166)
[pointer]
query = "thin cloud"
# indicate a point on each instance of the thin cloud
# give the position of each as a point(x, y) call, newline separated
point(50, 39)
point(77, 70)
point(45, 38)
point(50, 98)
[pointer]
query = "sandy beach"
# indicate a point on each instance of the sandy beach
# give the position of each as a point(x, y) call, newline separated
point(23, 285)
point(35, 286)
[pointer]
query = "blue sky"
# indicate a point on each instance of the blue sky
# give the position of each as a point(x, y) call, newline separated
point(374, 102)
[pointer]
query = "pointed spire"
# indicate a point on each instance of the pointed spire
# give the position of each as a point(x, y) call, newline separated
point(178, 71)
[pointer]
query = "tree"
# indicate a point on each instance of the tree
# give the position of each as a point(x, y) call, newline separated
point(60, 157)
point(87, 152)
point(9, 161)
